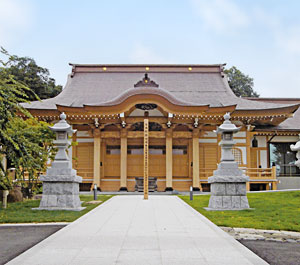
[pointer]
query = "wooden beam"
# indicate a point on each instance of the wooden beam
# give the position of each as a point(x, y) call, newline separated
point(169, 160)
point(123, 157)
point(146, 157)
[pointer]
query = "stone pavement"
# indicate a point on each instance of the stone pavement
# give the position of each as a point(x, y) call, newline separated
point(130, 230)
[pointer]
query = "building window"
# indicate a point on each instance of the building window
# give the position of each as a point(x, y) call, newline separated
point(139, 150)
point(113, 150)
point(237, 153)
point(179, 149)
point(284, 159)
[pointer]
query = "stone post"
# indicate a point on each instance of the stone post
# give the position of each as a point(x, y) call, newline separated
point(296, 148)
point(228, 184)
point(61, 183)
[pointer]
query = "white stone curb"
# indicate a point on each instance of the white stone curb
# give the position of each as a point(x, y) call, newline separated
point(258, 234)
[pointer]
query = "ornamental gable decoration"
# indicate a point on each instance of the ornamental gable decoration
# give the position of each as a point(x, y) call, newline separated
point(146, 82)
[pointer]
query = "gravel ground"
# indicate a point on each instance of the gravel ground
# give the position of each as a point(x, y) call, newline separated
point(16, 239)
point(275, 253)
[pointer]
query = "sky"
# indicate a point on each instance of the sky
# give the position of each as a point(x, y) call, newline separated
point(259, 37)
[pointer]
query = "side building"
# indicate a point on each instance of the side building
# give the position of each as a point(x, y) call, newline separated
point(184, 104)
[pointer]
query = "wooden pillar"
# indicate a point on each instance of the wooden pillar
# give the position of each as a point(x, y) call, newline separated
point(248, 150)
point(97, 157)
point(248, 186)
point(196, 183)
point(274, 176)
point(123, 173)
point(169, 160)
point(190, 158)
point(248, 147)
point(219, 138)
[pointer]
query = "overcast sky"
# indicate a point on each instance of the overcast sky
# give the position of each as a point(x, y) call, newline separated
point(260, 37)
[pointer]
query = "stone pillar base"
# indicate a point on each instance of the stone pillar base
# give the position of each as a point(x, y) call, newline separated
point(61, 192)
point(228, 203)
point(228, 195)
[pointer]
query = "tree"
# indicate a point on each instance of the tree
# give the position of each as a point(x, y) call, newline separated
point(21, 139)
point(35, 144)
point(241, 84)
point(12, 92)
point(26, 71)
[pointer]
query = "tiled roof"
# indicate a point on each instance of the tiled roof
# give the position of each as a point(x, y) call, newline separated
point(192, 86)
point(290, 124)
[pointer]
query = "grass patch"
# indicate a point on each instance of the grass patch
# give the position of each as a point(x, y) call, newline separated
point(274, 210)
point(20, 212)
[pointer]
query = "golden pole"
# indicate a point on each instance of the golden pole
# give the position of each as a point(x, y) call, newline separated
point(146, 157)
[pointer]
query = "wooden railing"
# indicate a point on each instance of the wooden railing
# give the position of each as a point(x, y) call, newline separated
point(260, 173)
point(253, 173)
point(87, 174)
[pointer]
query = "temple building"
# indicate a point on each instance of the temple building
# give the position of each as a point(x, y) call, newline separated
point(183, 105)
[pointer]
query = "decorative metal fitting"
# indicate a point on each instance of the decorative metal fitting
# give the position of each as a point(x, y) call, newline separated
point(196, 123)
point(169, 123)
point(96, 122)
point(123, 124)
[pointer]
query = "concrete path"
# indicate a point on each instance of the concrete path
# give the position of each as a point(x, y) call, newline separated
point(130, 230)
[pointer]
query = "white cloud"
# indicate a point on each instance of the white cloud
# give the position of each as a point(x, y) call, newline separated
point(15, 18)
point(221, 15)
point(143, 54)
point(286, 36)
point(289, 39)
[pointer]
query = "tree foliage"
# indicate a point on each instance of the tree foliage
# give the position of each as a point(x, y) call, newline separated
point(26, 71)
point(35, 147)
point(241, 84)
point(24, 141)
point(12, 92)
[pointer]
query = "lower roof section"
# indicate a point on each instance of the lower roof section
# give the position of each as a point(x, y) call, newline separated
point(290, 124)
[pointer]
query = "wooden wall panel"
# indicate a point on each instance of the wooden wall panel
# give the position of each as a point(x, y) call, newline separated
point(201, 157)
point(131, 184)
point(161, 185)
point(112, 166)
point(157, 165)
point(108, 185)
point(135, 165)
point(208, 156)
point(254, 158)
point(180, 165)
point(84, 160)
point(182, 185)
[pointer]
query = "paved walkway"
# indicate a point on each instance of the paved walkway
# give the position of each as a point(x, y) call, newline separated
point(130, 230)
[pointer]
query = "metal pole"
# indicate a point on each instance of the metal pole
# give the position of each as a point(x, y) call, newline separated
point(191, 193)
point(95, 191)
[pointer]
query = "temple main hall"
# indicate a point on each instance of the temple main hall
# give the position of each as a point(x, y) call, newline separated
point(174, 111)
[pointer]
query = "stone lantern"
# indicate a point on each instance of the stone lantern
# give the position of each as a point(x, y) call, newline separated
point(296, 148)
point(228, 184)
point(61, 183)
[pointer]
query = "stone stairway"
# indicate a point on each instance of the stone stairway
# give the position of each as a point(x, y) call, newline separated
point(139, 184)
